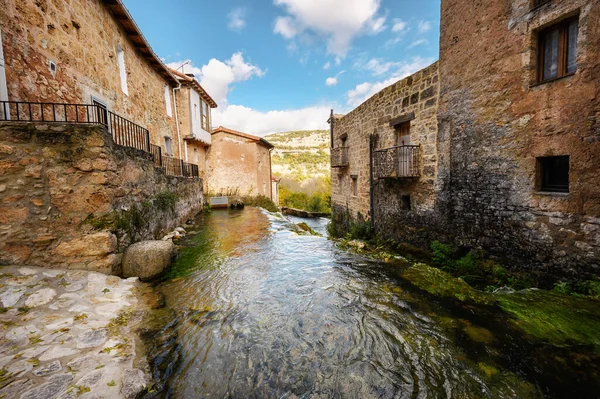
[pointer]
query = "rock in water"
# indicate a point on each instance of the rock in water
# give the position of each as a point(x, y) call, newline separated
point(147, 259)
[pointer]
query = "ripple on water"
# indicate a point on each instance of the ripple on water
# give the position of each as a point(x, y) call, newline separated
point(266, 312)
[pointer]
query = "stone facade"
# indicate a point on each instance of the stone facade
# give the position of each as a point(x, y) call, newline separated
point(238, 163)
point(412, 100)
point(72, 199)
point(480, 182)
point(83, 39)
point(495, 120)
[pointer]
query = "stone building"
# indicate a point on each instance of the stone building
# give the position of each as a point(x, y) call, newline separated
point(87, 52)
point(398, 126)
point(238, 163)
point(513, 165)
point(194, 106)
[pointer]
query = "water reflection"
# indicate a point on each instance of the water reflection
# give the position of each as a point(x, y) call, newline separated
point(267, 313)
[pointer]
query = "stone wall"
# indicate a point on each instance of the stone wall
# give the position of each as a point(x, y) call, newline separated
point(415, 98)
point(82, 38)
point(495, 120)
point(72, 199)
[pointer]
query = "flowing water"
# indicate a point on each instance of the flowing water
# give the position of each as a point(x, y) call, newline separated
point(261, 311)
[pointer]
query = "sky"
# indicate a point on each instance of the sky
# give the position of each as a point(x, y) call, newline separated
point(280, 65)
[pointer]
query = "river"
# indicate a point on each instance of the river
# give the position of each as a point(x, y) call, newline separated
point(263, 312)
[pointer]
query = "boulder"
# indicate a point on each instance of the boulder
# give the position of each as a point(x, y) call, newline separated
point(147, 259)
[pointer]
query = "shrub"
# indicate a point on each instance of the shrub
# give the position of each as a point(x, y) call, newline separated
point(260, 201)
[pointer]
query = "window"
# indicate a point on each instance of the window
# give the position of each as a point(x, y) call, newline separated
point(168, 146)
point(553, 174)
point(354, 185)
point(3, 87)
point(168, 101)
point(122, 70)
point(537, 3)
point(405, 203)
point(557, 50)
point(205, 116)
point(196, 156)
point(341, 183)
point(403, 133)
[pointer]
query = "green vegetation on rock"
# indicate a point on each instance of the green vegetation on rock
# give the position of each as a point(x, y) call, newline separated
point(559, 319)
point(441, 284)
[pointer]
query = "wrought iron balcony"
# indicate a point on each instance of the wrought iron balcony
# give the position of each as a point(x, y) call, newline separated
point(339, 157)
point(397, 162)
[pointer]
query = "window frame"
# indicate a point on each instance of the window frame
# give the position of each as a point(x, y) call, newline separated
point(354, 185)
point(563, 38)
point(543, 166)
point(402, 130)
point(122, 70)
point(168, 105)
point(204, 119)
point(168, 143)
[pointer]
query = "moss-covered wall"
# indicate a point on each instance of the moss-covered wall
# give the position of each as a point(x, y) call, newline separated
point(70, 198)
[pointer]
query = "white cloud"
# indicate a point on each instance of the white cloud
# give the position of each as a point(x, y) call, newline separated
point(378, 67)
point(286, 27)
point(424, 26)
point(365, 90)
point(338, 22)
point(237, 19)
point(217, 76)
point(399, 25)
point(331, 81)
point(327, 65)
point(417, 43)
point(252, 121)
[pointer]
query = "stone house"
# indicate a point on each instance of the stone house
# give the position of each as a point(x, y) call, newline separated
point(194, 119)
point(238, 163)
point(511, 165)
point(87, 52)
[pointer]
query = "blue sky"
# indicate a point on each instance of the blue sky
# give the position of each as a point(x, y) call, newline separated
point(276, 65)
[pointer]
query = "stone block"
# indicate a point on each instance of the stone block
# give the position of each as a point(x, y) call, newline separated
point(98, 244)
point(147, 259)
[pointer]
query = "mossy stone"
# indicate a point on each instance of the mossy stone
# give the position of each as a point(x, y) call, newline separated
point(442, 284)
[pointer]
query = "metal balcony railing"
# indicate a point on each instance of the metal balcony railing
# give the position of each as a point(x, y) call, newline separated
point(124, 132)
point(397, 162)
point(339, 157)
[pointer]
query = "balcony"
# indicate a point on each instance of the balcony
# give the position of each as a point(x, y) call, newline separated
point(124, 132)
point(339, 157)
point(397, 162)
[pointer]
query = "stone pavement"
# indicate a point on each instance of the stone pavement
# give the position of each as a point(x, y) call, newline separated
point(67, 334)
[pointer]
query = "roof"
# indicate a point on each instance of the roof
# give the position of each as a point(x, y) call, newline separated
point(135, 36)
point(257, 139)
point(188, 80)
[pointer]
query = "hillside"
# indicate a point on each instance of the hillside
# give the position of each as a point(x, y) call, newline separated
point(301, 156)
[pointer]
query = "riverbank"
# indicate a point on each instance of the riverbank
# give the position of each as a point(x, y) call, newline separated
point(67, 334)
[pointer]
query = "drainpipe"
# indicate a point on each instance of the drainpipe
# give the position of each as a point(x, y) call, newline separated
point(271, 176)
point(177, 121)
point(331, 128)
point(371, 206)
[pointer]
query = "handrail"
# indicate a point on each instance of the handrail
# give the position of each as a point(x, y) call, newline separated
point(124, 132)
point(397, 162)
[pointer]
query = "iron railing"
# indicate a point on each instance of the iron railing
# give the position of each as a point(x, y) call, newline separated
point(339, 157)
point(397, 162)
point(124, 132)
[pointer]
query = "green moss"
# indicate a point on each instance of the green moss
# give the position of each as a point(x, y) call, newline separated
point(442, 284)
point(552, 317)
point(308, 229)
point(260, 201)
